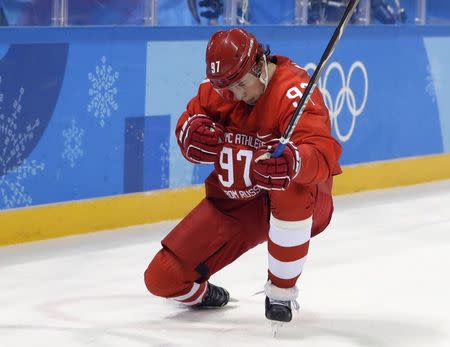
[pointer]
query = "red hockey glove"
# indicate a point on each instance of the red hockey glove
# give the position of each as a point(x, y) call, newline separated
point(275, 173)
point(201, 139)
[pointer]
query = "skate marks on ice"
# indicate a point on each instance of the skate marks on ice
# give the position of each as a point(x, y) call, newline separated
point(116, 320)
point(136, 320)
point(312, 330)
point(375, 279)
point(38, 335)
point(333, 332)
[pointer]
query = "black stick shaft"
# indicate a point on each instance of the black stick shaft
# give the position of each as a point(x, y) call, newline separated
point(315, 77)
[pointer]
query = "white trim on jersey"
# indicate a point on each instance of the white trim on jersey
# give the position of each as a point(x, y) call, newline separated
point(286, 270)
point(193, 290)
point(196, 301)
point(290, 234)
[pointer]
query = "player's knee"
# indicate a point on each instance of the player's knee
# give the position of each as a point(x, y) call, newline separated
point(164, 276)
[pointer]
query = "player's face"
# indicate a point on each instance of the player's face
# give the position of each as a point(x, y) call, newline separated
point(248, 89)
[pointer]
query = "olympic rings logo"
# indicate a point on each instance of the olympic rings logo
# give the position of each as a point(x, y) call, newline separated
point(345, 95)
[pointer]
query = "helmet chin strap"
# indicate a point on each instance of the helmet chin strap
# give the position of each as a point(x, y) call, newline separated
point(265, 80)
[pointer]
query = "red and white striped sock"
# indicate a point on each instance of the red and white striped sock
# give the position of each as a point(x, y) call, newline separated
point(194, 296)
point(288, 247)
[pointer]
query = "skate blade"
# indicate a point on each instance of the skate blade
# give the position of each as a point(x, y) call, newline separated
point(275, 326)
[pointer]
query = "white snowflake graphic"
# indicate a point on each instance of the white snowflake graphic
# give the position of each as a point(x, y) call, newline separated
point(12, 147)
point(430, 87)
point(73, 141)
point(103, 91)
point(13, 192)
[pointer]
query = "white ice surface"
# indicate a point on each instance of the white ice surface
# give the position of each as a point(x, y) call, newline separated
point(379, 276)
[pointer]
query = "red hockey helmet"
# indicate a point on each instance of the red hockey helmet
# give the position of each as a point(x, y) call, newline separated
point(230, 55)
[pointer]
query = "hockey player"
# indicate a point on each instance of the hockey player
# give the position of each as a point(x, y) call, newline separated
point(240, 110)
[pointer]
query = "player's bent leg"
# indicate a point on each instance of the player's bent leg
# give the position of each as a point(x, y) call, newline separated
point(248, 236)
point(297, 214)
point(168, 278)
point(205, 241)
point(288, 247)
point(209, 239)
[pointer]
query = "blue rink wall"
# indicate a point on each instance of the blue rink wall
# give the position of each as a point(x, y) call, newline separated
point(89, 113)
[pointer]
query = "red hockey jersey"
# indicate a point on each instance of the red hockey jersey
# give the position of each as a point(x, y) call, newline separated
point(249, 126)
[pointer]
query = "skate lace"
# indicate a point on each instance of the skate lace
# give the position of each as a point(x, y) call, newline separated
point(215, 296)
point(294, 303)
point(212, 296)
point(258, 293)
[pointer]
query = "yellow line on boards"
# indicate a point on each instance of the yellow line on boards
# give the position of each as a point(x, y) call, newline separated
point(395, 173)
point(77, 217)
point(49, 221)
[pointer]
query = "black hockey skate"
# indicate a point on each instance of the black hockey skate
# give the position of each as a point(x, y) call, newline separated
point(215, 297)
point(278, 310)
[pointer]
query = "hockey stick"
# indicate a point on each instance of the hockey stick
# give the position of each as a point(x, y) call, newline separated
point(314, 79)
